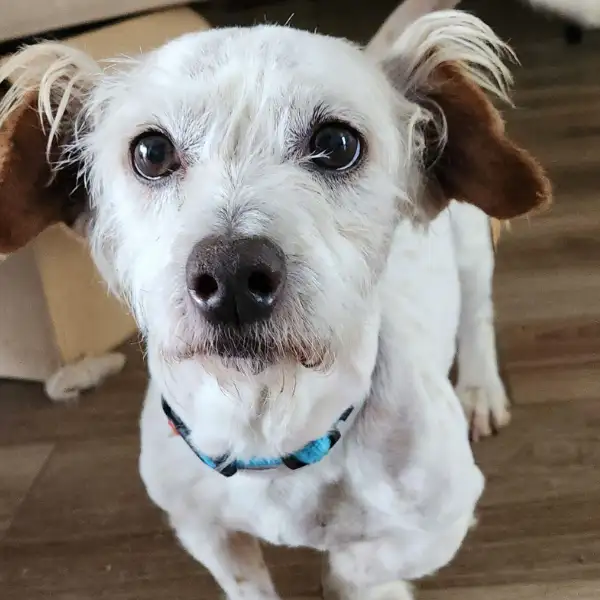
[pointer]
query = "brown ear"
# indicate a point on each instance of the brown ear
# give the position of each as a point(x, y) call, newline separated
point(478, 163)
point(442, 63)
point(31, 197)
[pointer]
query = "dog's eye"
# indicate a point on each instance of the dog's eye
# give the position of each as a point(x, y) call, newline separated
point(153, 155)
point(336, 146)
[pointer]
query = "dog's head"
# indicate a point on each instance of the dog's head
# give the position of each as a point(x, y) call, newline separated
point(244, 184)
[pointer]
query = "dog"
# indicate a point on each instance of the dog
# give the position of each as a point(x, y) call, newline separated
point(274, 206)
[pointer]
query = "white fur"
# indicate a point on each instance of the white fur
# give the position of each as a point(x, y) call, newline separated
point(583, 12)
point(89, 372)
point(405, 13)
point(371, 296)
point(480, 387)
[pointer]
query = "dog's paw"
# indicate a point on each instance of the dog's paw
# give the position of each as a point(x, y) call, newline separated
point(486, 406)
point(67, 383)
point(398, 590)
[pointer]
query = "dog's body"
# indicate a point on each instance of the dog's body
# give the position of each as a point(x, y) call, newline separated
point(396, 498)
point(284, 238)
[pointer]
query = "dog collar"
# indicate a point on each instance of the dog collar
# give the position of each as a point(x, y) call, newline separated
point(310, 454)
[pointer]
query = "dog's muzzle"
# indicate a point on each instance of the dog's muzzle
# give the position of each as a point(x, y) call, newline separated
point(236, 282)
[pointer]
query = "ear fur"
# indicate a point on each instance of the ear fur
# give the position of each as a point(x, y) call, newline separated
point(445, 62)
point(405, 13)
point(38, 182)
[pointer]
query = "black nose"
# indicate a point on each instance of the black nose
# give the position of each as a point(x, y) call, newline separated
point(236, 281)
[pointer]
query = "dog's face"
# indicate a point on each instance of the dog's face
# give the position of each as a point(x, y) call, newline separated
point(244, 184)
point(246, 189)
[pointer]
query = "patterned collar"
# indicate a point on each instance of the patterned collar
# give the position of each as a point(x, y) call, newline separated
point(310, 454)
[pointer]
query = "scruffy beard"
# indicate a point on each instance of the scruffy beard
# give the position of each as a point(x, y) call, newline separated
point(255, 348)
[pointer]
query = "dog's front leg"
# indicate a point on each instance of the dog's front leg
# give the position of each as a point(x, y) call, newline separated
point(479, 386)
point(234, 559)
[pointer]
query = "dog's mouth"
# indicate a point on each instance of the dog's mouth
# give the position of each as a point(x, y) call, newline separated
point(255, 349)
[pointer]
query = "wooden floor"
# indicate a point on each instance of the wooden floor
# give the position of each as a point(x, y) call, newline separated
point(75, 523)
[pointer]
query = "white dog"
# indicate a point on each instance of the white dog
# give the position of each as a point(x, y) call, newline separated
point(272, 205)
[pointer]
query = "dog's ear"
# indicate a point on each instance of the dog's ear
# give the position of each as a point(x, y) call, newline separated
point(32, 195)
point(39, 175)
point(444, 63)
point(404, 15)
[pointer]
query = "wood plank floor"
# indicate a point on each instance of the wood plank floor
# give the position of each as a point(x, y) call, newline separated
point(75, 523)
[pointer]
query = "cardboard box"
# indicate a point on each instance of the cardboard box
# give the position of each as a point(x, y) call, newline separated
point(30, 17)
point(54, 310)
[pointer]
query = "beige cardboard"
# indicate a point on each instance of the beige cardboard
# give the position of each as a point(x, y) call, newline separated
point(85, 320)
point(140, 34)
point(27, 17)
point(54, 309)
point(27, 346)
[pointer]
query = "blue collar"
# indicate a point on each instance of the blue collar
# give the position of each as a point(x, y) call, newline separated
point(310, 454)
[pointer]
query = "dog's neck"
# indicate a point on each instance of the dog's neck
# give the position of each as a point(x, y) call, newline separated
point(275, 412)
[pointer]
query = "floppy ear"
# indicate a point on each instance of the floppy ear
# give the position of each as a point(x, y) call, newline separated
point(38, 184)
point(32, 196)
point(445, 62)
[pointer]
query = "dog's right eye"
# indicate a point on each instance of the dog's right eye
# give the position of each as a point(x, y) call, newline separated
point(154, 156)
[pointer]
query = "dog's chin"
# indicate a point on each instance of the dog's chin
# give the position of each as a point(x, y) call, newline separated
point(254, 350)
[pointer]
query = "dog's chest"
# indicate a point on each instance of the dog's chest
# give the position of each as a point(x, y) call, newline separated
point(295, 509)
point(320, 507)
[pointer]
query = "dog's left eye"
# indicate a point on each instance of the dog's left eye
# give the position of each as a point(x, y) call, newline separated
point(153, 155)
point(336, 146)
